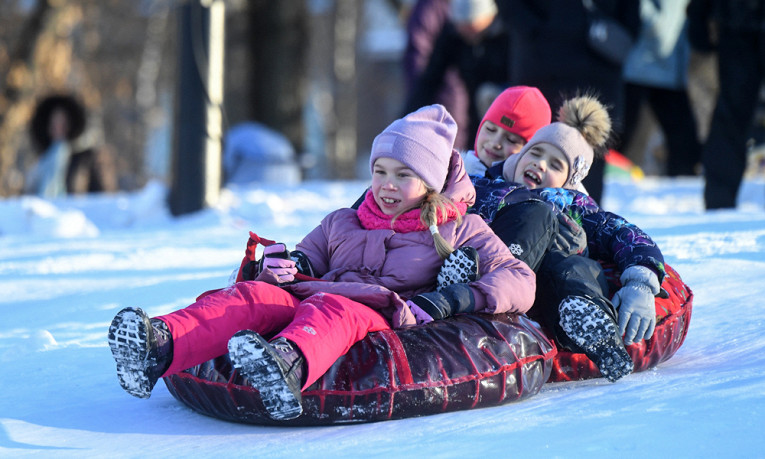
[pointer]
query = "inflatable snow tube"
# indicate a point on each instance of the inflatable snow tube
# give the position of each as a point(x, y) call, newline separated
point(464, 362)
point(673, 317)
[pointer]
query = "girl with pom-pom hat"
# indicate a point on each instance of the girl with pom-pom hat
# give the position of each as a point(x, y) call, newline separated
point(521, 198)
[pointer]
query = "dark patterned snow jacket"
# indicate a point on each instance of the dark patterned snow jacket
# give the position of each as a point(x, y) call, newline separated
point(610, 238)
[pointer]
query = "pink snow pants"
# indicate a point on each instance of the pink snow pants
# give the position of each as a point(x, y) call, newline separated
point(323, 326)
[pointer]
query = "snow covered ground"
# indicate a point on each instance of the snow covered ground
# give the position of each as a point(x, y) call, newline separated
point(67, 266)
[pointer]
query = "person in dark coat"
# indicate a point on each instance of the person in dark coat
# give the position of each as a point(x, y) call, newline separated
point(740, 44)
point(656, 74)
point(423, 27)
point(475, 42)
point(549, 50)
point(58, 128)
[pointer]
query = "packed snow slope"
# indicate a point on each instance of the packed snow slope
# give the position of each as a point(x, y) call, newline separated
point(67, 266)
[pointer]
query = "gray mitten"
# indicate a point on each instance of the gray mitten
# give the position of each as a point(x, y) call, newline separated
point(635, 303)
point(571, 238)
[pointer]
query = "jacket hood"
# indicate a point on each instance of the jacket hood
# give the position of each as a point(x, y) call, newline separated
point(458, 186)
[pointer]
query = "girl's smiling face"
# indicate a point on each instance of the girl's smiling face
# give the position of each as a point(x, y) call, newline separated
point(395, 187)
point(542, 166)
point(494, 143)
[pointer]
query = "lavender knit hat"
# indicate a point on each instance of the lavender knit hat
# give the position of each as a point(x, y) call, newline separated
point(422, 140)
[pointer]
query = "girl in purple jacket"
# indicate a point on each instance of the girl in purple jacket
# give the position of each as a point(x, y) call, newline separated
point(377, 268)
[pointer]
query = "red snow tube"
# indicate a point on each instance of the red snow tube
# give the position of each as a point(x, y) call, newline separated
point(463, 362)
point(468, 361)
point(673, 317)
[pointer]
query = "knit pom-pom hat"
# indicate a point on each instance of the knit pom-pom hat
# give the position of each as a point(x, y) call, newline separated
point(521, 110)
point(583, 127)
point(422, 140)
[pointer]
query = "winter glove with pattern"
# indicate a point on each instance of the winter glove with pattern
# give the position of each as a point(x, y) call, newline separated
point(635, 302)
point(460, 267)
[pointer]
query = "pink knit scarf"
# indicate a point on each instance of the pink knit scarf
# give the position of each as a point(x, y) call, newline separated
point(372, 217)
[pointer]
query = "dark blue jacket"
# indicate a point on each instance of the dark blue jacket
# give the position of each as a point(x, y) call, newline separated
point(610, 237)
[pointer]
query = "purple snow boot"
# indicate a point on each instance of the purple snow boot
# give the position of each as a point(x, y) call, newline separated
point(142, 349)
point(275, 369)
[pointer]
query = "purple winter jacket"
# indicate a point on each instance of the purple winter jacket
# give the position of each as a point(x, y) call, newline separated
point(382, 268)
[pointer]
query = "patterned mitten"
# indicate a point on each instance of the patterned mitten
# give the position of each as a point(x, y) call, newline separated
point(460, 267)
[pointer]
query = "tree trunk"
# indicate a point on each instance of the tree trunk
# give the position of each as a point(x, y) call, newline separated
point(17, 95)
point(343, 156)
point(279, 46)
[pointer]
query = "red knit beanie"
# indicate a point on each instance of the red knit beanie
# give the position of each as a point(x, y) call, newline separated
point(519, 109)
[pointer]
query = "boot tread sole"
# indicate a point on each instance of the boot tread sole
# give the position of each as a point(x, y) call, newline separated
point(128, 343)
point(249, 353)
point(595, 332)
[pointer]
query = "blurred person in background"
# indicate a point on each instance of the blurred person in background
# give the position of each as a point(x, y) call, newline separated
point(656, 72)
point(67, 163)
point(475, 42)
point(736, 30)
point(549, 49)
point(424, 23)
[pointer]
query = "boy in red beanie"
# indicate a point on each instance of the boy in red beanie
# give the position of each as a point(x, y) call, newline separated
point(511, 120)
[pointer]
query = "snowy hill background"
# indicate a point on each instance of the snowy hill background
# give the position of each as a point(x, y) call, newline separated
point(67, 266)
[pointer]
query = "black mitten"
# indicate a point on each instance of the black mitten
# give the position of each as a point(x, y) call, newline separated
point(302, 263)
point(451, 300)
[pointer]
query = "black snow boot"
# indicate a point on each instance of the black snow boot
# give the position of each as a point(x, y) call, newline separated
point(275, 369)
point(595, 332)
point(460, 267)
point(142, 349)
